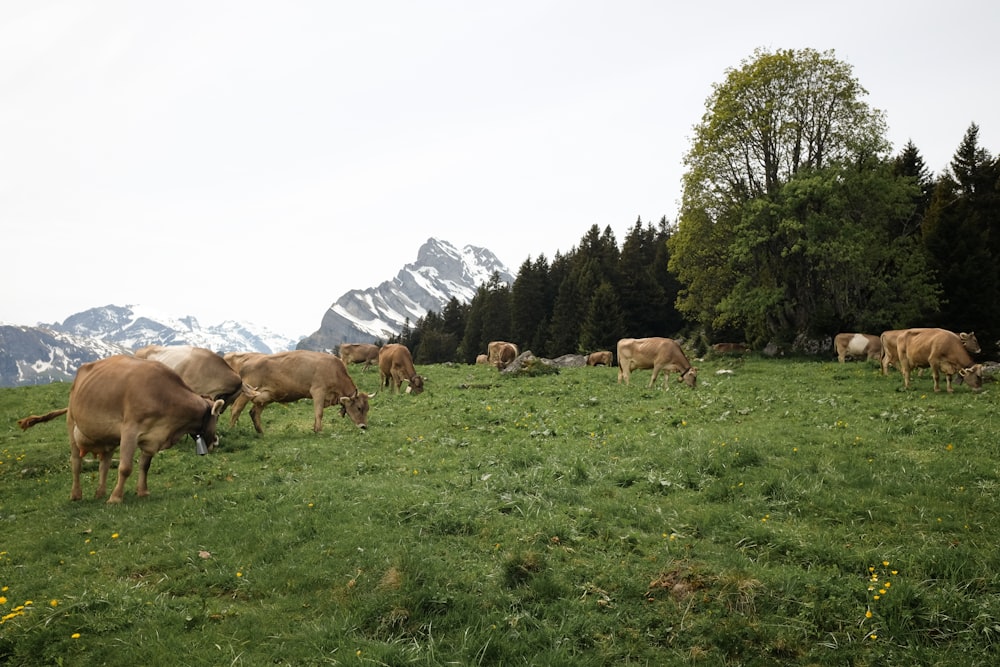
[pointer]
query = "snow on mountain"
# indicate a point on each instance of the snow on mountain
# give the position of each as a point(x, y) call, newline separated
point(440, 272)
point(53, 352)
point(136, 326)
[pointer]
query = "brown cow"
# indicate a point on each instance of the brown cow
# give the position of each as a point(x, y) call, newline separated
point(599, 358)
point(482, 359)
point(204, 371)
point(890, 356)
point(660, 354)
point(356, 353)
point(286, 377)
point(501, 353)
point(128, 403)
point(941, 350)
point(395, 364)
point(857, 345)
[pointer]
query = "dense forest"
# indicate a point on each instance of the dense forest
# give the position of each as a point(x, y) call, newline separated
point(796, 223)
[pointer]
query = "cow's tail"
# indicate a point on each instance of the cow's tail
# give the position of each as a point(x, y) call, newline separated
point(28, 422)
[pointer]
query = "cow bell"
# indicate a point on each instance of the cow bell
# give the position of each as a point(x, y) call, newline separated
point(200, 445)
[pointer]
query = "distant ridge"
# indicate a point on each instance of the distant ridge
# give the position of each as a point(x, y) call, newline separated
point(46, 353)
point(440, 272)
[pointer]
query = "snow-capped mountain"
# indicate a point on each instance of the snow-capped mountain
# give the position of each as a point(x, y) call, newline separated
point(53, 352)
point(134, 326)
point(31, 355)
point(440, 272)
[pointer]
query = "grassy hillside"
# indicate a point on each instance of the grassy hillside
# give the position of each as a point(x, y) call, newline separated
point(786, 513)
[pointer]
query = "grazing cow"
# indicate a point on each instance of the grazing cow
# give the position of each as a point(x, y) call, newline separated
point(501, 353)
point(482, 359)
point(128, 403)
point(730, 348)
point(857, 345)
point(395, 364)
point(941, 350)
point(890, 355)
point(286, 377)
point(599, 358)
point(357, 353)
point(204, 371)
point(660, 354)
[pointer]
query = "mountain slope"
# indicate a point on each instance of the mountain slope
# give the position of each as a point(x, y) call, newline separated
point(54, 352)
point(440, 272)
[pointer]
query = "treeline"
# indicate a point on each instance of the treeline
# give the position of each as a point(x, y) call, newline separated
point(947, 228)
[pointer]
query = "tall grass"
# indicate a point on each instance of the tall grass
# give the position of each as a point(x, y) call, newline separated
point(792, 512)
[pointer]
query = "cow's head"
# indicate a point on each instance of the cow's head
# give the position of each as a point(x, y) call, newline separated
point(970, 342)
point(415, 385)
point(973, 376)
point(207, 438)
point(356, 406)
point(689, 377)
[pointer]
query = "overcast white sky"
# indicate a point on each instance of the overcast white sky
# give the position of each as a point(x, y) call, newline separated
point(255, 160)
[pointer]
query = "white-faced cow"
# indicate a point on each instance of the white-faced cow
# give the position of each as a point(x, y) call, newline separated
point(204, 371)
point(359, 353)
point(857, 345)
point(286, 377)
point(942, 351)
point(661, 354)
point(602, 358)
point(890, 355)
point(395, 365)
point(130, 404)
point(501, 353)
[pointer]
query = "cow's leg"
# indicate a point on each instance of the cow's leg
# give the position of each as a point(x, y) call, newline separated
point(104, 465)
point(127, 454)
point(936, 373)
point(255, 415)
point(904, 368)
point(76, 463)
point(144, 460)
point(319, 402)
point(238, 405)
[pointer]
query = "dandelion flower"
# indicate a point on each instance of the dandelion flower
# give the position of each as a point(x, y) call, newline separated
point(868, 614)
point(75, 635)
point(53, 603)
point(3, 600)
point(114, 536)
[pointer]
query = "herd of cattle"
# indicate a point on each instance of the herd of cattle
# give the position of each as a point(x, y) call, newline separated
point(149, 401)
point(943, 351)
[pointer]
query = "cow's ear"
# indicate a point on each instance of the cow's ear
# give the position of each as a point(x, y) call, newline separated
point(218, 407)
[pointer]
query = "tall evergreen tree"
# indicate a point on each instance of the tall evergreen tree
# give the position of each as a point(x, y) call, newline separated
point(530, 302)
point(961, 236)
point(603, 324)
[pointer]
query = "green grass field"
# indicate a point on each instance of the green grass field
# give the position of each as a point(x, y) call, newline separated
point(791, 513)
